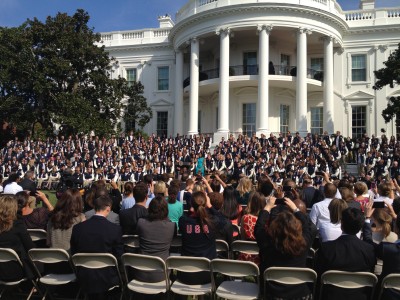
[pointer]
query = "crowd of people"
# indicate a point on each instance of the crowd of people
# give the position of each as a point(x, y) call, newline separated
point(287, 193)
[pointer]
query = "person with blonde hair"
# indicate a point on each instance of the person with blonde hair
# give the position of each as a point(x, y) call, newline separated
point(14, 235)
point(361, 191)
point(244, 188)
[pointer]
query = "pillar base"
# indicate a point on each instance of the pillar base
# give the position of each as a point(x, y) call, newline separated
point(193, 133)
point(259, 132)
point(219, 135)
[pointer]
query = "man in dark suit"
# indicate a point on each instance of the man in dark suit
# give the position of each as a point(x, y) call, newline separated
point(97, 235)
point(28, 184)
point(129, 218)
point(347, 253)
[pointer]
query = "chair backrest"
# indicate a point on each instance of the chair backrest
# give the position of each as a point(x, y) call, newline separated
point(234, 268)
point(349, 280)
point(131, 241)
point(290, 276)
point(37, 234)
point(143, 262)
point(311, 258)
point(7, 254)
point(222, 247)
point(247, 247)
point(49, 255)
point(188, 264)
point(391, 281)
point(94, 260)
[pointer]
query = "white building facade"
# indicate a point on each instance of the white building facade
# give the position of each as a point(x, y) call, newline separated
point(262, 66)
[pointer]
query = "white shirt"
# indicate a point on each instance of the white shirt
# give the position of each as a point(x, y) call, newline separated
point(12, 188)
point(320, 212)
point(329, 231)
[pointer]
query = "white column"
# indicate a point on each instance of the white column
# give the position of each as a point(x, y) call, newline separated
point(223, 101)
point(328, 85)
point(301, 82)
point(263, 84)
point(194, 87)
point(178, 106)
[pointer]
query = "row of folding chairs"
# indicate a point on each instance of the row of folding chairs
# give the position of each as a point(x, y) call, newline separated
point(229, 288)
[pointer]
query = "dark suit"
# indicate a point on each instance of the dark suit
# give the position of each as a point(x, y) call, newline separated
point(346, 253)
point(97, 235)
point(28, 185)
point(129, 218)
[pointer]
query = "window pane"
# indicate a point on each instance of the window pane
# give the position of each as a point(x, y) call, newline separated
point(249, 118)
point(163, 78)
point(358, 68)
point(317, 116)
point(284, 118)
point(359, 121)
point(317, 64)
point(130, 76)
point(162, 123)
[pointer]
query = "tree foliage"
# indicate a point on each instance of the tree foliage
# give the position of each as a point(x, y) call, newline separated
point(390, 75)
point(56, 73)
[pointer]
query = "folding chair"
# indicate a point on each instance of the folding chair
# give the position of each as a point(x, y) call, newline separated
point(190, 265)
point(311, 258)
point(236, 232)
point(131, 243)
point(349, 280)
point(50, 257)
point(391, 281)
point(39, 237)
point(289, 276)
point(9, 255)
point(98, 261)
point(246, 247)
point(145, 263)
point(239, 290)
point(222, 249)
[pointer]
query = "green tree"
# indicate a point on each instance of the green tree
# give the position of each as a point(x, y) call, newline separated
point(57, 72)
point(390, 75)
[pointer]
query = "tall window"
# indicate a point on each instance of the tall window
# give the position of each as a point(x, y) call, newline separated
point(284, 118)
point(359, 121)
point(249, 118)
point(317, 120)
point(163, 78)
point(285, 64)
point(250, 63)
point(359, 67)
point(317, 64)
point(130, 76)
point(162, 123)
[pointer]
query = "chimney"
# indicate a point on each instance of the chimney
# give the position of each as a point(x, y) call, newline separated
point(165, 21)
point(367, 4)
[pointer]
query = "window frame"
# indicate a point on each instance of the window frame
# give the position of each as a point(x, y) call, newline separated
point(321, 120)
point(281, 125)
point(126, 75)
point(252, 125)
point(158, 118)
point(167, 79)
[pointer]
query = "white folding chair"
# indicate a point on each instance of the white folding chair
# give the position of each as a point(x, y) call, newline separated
point(37, 234)
point(9, 255)
point(246, 247)
point(349, 280)
point(98, 261)
point(222, 248)
point(189, 265)
point(131, 243)
point(391, 281)
point(237, 290)
point(52, 256)
point(145, 263)
point(289, 276)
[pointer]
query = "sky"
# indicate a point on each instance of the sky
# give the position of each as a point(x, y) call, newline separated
point(114, 15)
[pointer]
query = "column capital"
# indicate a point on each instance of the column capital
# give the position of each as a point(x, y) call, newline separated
point(327, 38)
point(266, 27)
point(193, 40)
point(383, 48)
point(225, 30)
point(305, 30)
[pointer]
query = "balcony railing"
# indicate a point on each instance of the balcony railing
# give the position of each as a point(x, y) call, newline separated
point(253, 70)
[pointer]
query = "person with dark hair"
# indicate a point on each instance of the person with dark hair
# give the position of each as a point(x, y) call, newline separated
point(284, 243)
point(175, 208)
point(155, 232)
point(128, 200)
point(265, 187)
point(66, 214)
point(112, 216)
point(34, 218)
point(231, 208)
point(130, 217)
point(12, 186)
point(329, 231)
point(97, 235)
point(28, 183)
point(319, 211)
point(199, 231)
point(346, 253)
